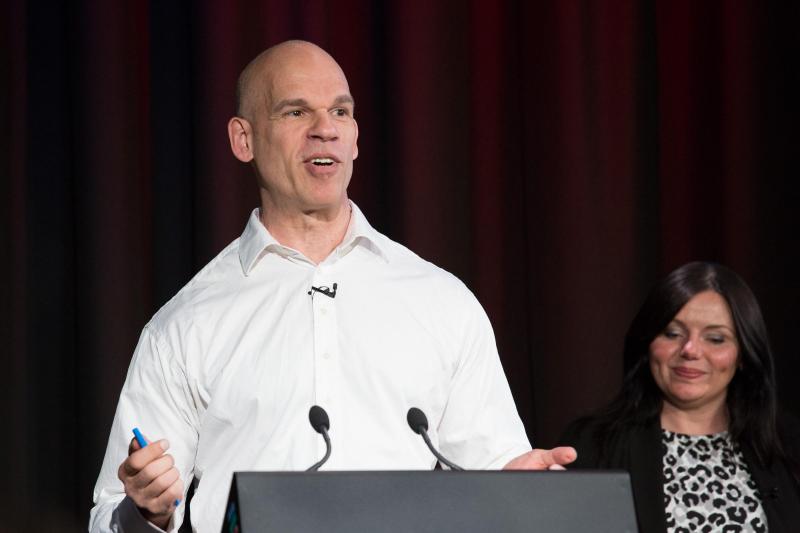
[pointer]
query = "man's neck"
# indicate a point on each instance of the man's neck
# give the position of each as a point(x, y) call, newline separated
point(315, 234)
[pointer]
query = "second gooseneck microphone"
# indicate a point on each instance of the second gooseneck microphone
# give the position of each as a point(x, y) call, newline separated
point(419, 424)
point(321, 424)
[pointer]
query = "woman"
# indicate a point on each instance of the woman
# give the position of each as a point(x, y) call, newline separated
point(696, 422)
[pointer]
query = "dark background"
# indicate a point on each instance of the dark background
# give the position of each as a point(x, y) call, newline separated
point(557, 156)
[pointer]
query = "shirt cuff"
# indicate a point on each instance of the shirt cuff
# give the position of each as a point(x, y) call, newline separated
point(127, 515)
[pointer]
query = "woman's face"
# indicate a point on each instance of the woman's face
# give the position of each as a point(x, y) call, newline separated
point(694, 359)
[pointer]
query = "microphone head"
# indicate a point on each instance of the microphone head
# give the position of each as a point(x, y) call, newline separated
point(417, 420)
point(318, 418)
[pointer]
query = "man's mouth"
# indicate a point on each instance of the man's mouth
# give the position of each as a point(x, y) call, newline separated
point(322, 161)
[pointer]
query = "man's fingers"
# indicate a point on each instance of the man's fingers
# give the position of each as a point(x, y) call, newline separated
point(563, 455)
point(144, 456)
point(152, 471)
point(160, 484)
point(140, 458)
point(164, 501)
point(539, 459)
point(151, 480)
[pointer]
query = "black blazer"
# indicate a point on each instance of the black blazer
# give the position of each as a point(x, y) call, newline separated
point(639, 450)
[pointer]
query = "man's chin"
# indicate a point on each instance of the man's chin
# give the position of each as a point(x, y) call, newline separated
point(331, 207)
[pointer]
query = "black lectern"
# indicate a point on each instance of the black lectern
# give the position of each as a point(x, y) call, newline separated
point(435, 501)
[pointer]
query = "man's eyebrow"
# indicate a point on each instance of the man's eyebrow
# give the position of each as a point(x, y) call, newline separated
point(301, 102)
point(344, 99)
point(296, 102)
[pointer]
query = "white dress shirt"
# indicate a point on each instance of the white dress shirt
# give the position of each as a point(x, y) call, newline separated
point(228, 369)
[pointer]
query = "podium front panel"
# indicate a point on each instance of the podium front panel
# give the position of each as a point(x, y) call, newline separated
point(431, 501)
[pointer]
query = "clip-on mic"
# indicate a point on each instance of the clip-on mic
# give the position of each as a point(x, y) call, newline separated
point(324, 290)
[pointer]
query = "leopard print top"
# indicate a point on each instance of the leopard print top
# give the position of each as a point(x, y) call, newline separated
point(707, 486)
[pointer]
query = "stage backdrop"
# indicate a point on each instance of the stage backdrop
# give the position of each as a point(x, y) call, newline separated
point(556, 156)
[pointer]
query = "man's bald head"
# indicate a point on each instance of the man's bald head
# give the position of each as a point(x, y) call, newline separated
point(254, 81)
point(295, 125)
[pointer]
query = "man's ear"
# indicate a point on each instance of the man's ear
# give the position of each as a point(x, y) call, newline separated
point(355, 143)
point(240, 133)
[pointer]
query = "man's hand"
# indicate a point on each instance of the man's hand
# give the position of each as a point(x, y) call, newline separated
point(152, 481)
point(554, 459)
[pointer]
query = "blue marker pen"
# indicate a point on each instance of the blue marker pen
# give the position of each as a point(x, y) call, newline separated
point(143, 442)
point(139, 437)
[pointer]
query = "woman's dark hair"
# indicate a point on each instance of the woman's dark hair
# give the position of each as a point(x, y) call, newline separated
point(751, 398)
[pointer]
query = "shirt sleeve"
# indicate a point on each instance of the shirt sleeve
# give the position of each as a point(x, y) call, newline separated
point(480, 427)
point(155, 398)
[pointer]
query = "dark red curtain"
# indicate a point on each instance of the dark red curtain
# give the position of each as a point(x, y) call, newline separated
point(557, 156)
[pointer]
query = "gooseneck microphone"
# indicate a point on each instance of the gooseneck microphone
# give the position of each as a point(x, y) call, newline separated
point(419, 424)
point(321, 424)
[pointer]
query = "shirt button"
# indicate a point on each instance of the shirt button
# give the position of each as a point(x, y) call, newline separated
point(324, 311)
point(326, 355)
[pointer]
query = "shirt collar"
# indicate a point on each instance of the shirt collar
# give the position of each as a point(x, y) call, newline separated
point(256, 241)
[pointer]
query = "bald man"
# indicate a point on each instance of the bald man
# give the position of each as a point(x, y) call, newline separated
point(311, 305)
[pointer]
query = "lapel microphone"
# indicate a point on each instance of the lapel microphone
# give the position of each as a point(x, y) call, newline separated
point(324, 290)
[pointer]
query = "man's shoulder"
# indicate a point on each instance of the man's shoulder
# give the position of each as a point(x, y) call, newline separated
point(405, 261)
point(213, 282)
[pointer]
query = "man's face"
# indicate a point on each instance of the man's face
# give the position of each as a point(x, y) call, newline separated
point(304, 133)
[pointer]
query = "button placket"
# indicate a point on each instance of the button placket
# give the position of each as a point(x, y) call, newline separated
point(325, 343)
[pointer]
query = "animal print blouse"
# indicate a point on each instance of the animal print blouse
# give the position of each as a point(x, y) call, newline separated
point(707, 486)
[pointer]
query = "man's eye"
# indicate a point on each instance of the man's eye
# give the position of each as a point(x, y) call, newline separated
point(295, 113)
point(341, 112)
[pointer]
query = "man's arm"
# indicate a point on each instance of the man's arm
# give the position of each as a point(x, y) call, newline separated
point(155, 397)
point(480, 427)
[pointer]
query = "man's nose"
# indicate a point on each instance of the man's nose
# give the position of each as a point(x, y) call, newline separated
point(323, 128)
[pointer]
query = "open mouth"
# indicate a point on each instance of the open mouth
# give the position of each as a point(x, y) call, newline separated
point(322, 161)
